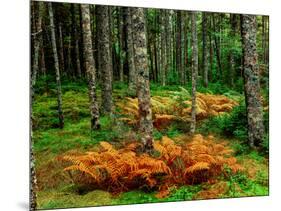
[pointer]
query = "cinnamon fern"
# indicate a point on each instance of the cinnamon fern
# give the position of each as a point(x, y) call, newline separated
point(197, 161)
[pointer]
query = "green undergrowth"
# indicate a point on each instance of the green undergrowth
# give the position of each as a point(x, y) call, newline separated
point(50, 141)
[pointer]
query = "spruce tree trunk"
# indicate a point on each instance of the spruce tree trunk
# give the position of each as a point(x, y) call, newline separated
point(163, 49)
point(143, 89)
point(251, 81)
point(182, 44)
point(56, 63)
point(69, 60)
point(61, 48)
point(130, 53)
point(76, 40)
point(217, 48)
point(178, 45)
point(211, 53)
point(169, 40)
point(42, 61)
point(37, 40)
point(105, 61)
point(231, 52)
point(186, 42)
point(205, 49)
point(90, 65)
point(121, 44)
point(194, 70)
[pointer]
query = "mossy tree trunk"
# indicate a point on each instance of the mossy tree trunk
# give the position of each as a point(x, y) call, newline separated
point(143, 89)
point(90, 65)
point(105, 61)
point(251, 81)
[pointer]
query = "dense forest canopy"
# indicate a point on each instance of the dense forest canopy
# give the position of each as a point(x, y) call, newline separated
point(114, 75)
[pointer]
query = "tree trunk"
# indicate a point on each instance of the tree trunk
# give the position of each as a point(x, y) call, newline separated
point(217, 48)
point(143, 89)
point(61, 49)
point(251, 81)
point(90, 65)
point(182, 44)
point(130, 53)
point(104, 48)
point(186, 42)
point(231, 51)
point(169, 41)
point(56, 63)
point(179, 46)
point(37, 40)
point(69, 60)
point(194, 70)
point(76, 40)
point(163, 49)
point(42, 61)
point(205, 49)
point(121, 44)
point(37, 37)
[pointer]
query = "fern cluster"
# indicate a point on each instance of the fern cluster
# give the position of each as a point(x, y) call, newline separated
point(117, 170)
point(168, 109)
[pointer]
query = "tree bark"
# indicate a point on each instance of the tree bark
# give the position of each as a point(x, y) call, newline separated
point(69, 60)
point(105, 58)
point(56, 63)
point(231, 50)
point(121, 43)
point(205, 49)
point(169, 40)
point(61, 48)
point(90, 65)
point(194, 70)
point(217, 48)
point(76, 40)
point(179, 46)
point(37, 41)
point(251, 81)
point(37, 38)
point(143, 89)
point(163, 49)
point(130, 52)
point(186, 43)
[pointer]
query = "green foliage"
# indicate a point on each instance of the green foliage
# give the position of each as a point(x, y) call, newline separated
point(230, 125)
point(213, 88)
point(240, 185)
point(184, 193)
point(172, 131)
point(136, 197)
point(265, 143)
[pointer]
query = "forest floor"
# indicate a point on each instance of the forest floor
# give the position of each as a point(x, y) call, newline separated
point(56, 187)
